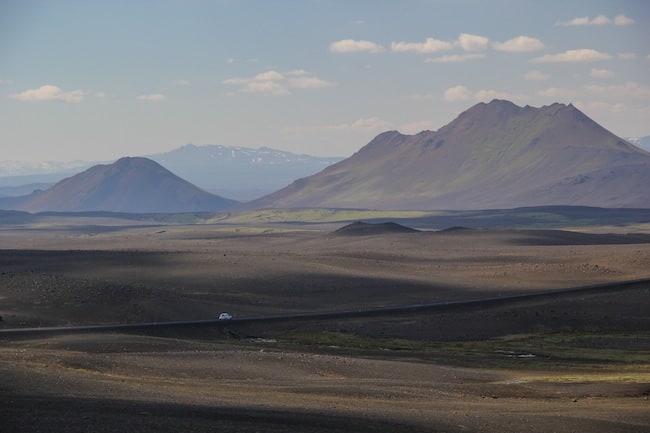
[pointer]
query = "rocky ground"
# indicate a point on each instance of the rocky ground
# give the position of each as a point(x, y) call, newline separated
point(580, 363)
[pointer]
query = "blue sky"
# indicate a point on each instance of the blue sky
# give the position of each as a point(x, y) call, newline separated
point(97, 80)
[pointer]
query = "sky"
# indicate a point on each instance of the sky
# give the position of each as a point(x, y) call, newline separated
point(98, 80)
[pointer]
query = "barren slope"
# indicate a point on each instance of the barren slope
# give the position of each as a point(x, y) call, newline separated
point(128, 185)
point(495, 155)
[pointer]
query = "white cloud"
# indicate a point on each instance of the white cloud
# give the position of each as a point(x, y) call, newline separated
point(366, 125)
point(585, 21)
point(622, 20)
point(488, 95)
point(457, 93)
point(520, 44)
point(269, 76)
point(582, 21)
point(278, 83)
point(619, 20)
point(49, 93)
point(583, 55)
point(472, 42)
point(352, 46)
point(181, 83)
point(601, 73)
point(154, 97)
point(627, 56)
point(100, 95)
point(371, 124)
point(556, 92)
point(430, 45)
point(600, 20)
point(455, 58)
point(536, 75)
point(308, 83)
point(269, 87)
point(230, 60)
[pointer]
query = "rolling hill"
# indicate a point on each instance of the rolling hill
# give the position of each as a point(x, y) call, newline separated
point(494, 155)
point(128, 185)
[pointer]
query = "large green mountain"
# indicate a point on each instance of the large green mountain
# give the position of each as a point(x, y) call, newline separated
point(494, 155)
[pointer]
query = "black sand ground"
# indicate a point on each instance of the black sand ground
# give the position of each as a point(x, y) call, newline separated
point(453, 372)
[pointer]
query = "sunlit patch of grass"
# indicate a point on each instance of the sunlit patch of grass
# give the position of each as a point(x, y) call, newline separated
point(565, 351)
point(595, 377)
point(623, 229)
point(251, 230)
point(317, 215)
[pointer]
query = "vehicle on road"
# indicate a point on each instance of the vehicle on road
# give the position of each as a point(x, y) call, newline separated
point(225, 316)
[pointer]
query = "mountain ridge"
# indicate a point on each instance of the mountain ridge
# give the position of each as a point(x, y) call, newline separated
point(493, 155)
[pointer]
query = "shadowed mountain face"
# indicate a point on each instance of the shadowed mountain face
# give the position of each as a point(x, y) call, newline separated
point(128, 185)
point(494, 155)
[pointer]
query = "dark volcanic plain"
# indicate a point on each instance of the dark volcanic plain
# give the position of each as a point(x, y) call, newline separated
point(573, 363)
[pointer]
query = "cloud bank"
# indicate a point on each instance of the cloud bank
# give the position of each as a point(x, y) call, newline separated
point(520, 44)
point(583, 55)
point(353, 46)
point(455, 58)
point(430, 45)
point(48, 93)
point(278, 83)
point(473, 42)
point(619, 20)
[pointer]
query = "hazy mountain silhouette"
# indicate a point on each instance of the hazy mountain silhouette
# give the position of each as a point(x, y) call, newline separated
point(128, 185)
point(232, 171)
point(494, 155)
point(240, 172)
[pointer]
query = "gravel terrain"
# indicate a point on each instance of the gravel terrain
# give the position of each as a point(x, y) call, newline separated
point(572, 364)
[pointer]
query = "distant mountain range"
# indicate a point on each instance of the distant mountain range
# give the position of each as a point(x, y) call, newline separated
point(135, 185)
point(20, 168)
point(238, 172)
point(494, 155)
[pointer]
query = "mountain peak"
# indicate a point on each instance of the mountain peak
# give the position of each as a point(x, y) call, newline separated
point(496, 104)
point(495, 109)
point(493, 155)
point(134, 160)
point(130, 184)
point(504, 103)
